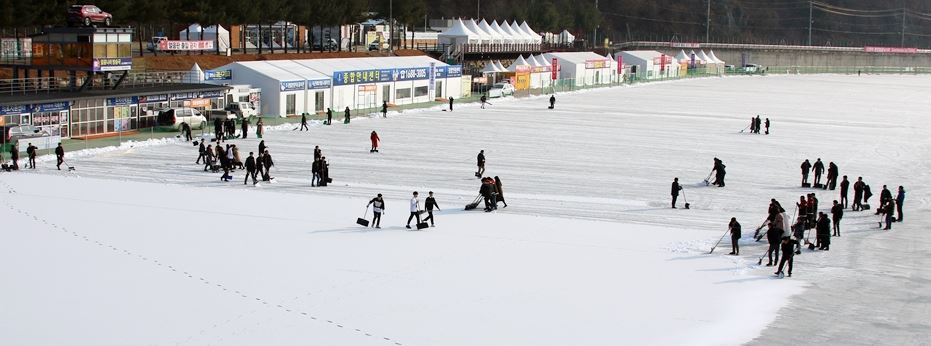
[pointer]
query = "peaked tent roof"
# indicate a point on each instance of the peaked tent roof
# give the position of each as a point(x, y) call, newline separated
point(500, 32)
point(458, 29)
point(518, 38)
point(490, 67)
point(483, 25)
point(715, 58)
point(520, 61)
point(517, 31)
point(533, 35)
point(479, 33)
point(500, 66)
point(682, 56)
point(195, 75)
point(703, 56)
point(697, 57)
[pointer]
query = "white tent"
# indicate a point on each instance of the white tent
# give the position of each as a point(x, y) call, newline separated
point(517, 31)
point(505, 38)
point(566, 38)
point(543, 61)
point(520, 61)
point(457, 34)
point(495, 36)
point(211, 33)
point(195, 75)
point(532, 34)
point(483, 36)
point(698, 59)
point(704, 57)
point(490, 67)
point(501, 67)
point(518, 38)
point(682, 57)
point(715, 58)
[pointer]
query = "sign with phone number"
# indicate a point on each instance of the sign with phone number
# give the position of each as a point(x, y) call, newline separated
point(397, 75)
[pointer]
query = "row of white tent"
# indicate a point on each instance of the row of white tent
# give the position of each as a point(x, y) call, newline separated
point(531, 61)
point(700, 57)
point(472, 32)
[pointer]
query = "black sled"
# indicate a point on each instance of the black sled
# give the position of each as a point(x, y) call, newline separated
point(474, 204)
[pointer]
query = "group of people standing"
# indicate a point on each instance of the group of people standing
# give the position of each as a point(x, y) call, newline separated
point(31, 152)
point(228, 159)
point(756, 124)
point(818, 169)
point(492, 193)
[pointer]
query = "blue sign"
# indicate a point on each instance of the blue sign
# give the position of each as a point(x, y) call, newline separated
point(362, 77)
point(432, 74)
point(212, 94)
point(319, 84)
point(52, 107)
point(218, 75)
point(14, 109)
point(293, 85)
point(183, 96)
point(411, 73)
point(153, 98)
point(122, 101)
point(454, 71)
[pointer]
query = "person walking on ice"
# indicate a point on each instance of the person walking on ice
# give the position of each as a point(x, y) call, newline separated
point(899, 200)
point(483, 99)
point(250, 170)
point(837, 212)
point(59, 155)
point(346, 114)
point(384, 109)
point(675, 191)
point(806, 167)
point(329, 116)
point(451, 103)
point(819, 169)
point(767, 125)
point(788, 244)
point(31, 154)
point(415, 210)
point(552, 101)
point(374, 138)
point(304, 122)
point(430, 204)
point(481, 164)
point(378, 208)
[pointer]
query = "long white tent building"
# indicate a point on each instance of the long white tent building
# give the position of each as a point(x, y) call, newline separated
point(291, 87)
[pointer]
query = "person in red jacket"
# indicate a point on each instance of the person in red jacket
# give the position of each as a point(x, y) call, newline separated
point(375, 140)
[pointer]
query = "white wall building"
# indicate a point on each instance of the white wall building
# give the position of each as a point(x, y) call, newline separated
point(648, 64)
point(291, 87)
point(586, 68)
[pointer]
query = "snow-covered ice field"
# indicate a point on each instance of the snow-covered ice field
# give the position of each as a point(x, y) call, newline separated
point(140, 246)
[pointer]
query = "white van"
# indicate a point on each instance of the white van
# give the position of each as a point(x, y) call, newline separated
point(175, 116)
point(242, 109)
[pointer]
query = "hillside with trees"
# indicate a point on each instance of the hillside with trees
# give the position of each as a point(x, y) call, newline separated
point(835, 22)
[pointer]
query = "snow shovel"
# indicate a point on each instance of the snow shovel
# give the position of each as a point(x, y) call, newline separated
point(708, 179)
point(70, 168)
point(745, 129)
point(719, 241)
point(687, 204)
point(362, 221)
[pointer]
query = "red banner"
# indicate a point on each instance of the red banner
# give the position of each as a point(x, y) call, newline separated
point(185, 45)
point(555, 68)
point(894, 50)
point(620, 64)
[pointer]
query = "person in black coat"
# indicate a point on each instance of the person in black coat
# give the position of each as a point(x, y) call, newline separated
point(832, 176)
point(552, 101)
point(347, 114)
point(451, 103)
point(225, 164)
point(14, 156)
point(250, 170)
point(262, 147)
point(767, 125)
point(186, 132)
point(823, 231)
point(31, 153)
point(315, 170)
point(304, 122)
point(844, 187)
point(818, 167)
point(858, 194)
point(773, 235)
point(378, 208)
point(837, 212)
point(806, 168)
point(889, 210)
point(675, 191)
point(59, 155)
point(719, 172)
point(218, 129)
point(486, 192)
point(245, 127)
point(201, 154)
point(268, 166)
point(787, 255)
point(317, 152)
point(329, 116)
point(481, 163)
point(324, 172)
point(384, 109)
point(734, 226)
point(430, 204)
point(500, 192)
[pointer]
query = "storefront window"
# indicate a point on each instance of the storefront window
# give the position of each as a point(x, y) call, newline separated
point(290, 104)
point(403, 93)
point(421, 91)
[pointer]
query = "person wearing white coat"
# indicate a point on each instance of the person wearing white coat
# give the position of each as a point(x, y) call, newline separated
point(415, 210)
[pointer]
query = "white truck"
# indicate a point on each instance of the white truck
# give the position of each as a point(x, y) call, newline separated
point(242, 109)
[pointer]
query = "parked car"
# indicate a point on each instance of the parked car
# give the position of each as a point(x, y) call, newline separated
point(220, 114)
point(88, 15)
point(175, 116)
point(14, 132)
point(501, 90)
point(374, 46)
point(242, 109)
point(329, 45)
point(752, 68)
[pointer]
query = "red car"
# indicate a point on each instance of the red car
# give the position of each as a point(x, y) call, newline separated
point(87, 15)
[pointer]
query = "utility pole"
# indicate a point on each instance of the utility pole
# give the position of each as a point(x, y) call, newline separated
point(708, 23)
point(810, 21)
point(478, 9)
point(391, 26)
point(595, 30)
point(903, 27)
